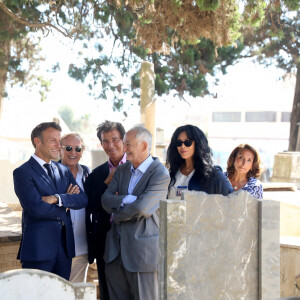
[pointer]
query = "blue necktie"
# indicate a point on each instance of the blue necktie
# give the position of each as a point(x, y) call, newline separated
point(50, 172)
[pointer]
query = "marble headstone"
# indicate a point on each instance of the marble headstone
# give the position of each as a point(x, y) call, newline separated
point(217, 247)
point(36, 284)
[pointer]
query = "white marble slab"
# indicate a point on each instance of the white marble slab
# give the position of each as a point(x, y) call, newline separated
point(210, 247)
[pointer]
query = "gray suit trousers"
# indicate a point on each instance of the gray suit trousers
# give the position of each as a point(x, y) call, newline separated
point(125, 285)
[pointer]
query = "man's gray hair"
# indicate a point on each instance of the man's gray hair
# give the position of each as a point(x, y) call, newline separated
point(143, 135)
point(73, 134)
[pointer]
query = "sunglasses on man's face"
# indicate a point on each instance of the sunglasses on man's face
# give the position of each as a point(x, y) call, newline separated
point(69, 148)
point(187, 143)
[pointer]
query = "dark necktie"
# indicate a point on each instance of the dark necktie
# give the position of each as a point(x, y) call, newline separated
point(49, 171)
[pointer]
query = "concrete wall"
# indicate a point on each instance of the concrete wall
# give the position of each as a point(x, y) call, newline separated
point(289, 211)
point(6, 181)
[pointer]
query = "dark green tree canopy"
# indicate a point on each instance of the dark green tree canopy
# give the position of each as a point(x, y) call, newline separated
point(186, 40)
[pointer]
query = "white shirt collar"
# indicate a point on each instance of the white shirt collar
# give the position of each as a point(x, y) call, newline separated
point(80, 170)
point(144, 165)
point(40, 161)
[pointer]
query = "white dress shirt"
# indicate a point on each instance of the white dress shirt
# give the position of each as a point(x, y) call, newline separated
point(136, 175)
point(78, 221)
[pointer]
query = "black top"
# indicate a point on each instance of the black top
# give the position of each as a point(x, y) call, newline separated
point(216, 184)
point(99, 225)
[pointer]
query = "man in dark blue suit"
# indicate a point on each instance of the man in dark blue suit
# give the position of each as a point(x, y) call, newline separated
point(47, 190)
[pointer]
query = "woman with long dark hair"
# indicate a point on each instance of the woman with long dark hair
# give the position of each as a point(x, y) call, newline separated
point(190, 162)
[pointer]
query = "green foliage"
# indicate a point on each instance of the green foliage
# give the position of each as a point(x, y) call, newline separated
point(188, 57)
point(198, 85)
point(19, 49)
point(292, 4)
point(44, 87)
point(234, 21)
point(254, 12)
point(184, 70)
point(207, 5)
point(281, 48)
point(177, 3)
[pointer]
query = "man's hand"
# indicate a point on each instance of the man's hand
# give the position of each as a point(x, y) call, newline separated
point(129, 199)
point(110, 176)
point(73, 189)
point(50, 199)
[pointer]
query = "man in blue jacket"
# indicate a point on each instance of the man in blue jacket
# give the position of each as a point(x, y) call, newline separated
point(47, 190)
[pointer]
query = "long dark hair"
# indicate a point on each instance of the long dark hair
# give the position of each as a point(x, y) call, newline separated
point(203, 161)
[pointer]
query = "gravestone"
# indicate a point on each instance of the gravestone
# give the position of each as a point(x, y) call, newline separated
point(290, 266)
point(287, 168)
point(217, 247)
point(36, 285)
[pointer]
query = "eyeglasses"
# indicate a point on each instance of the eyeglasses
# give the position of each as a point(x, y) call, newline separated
point(70, 148)
point(187, 143)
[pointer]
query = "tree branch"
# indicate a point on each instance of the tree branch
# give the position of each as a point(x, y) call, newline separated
point(16, 18)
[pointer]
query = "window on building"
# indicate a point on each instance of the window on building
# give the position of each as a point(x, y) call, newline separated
point(226, 117)
point(285, 116)
point(261, 116)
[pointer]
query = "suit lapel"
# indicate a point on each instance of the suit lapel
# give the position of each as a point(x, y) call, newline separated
point(126, 178)
point(145, 176)
point(36, 166)
point(56, 175)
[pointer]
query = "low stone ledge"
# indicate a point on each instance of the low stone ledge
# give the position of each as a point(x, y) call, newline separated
point(290, 242)
point(279, 186)
point(10, 225)
point(15, 206)
point(291, 298)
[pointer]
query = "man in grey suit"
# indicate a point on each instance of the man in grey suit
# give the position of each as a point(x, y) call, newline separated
point(131, 251)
